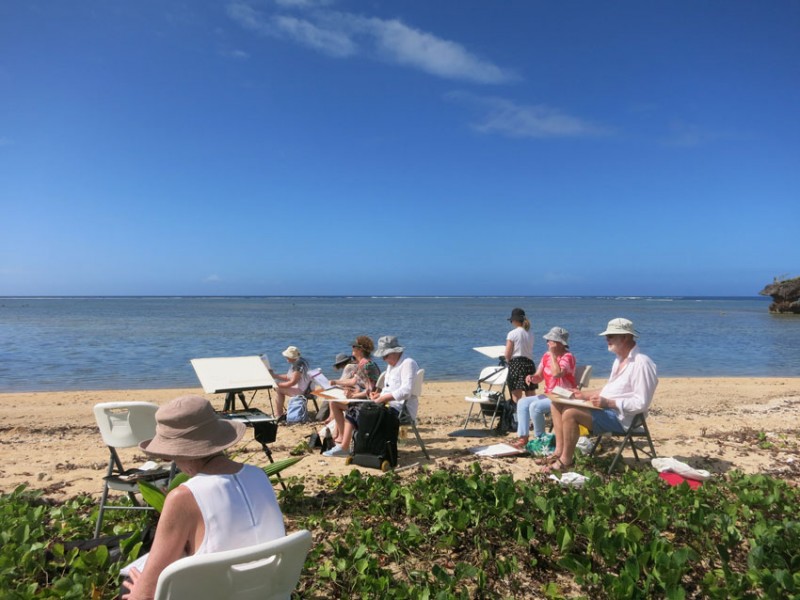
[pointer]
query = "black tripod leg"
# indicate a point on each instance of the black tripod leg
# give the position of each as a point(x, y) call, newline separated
point(268, 452)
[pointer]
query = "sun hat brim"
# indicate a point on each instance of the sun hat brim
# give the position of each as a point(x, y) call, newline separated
point(195, 444)
point(189, 427)
point(386, 351)
point(615, 329)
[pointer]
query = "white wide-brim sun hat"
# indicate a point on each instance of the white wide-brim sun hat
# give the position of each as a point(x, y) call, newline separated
point(620, 326)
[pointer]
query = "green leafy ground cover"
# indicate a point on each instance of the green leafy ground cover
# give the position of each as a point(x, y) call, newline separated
point(450, 534)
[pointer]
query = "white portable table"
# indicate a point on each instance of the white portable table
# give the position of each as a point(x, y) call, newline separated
point(232, 376)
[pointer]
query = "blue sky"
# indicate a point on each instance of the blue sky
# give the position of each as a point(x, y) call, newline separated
point(415, 147)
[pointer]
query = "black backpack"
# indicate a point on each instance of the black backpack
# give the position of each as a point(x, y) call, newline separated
point(506, 417)
point(376, 439)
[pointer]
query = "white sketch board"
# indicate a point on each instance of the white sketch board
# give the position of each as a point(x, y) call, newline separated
point(491, 351)
point(232, 373)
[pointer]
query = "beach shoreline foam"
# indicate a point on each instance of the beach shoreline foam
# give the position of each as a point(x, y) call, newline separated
point(50, 440)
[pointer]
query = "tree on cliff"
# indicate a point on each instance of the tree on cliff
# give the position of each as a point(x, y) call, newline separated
point(785, 295)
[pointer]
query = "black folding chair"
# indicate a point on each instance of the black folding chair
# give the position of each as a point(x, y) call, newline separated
point(635, 437)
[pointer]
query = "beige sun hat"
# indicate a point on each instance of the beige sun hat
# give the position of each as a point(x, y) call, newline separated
point(291, 352)
point(388, 344)
point(188, 427)
point(620, 326)
point(558, 334)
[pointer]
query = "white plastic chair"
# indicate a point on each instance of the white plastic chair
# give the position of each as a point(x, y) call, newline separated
point(405, 416)
point(124, 425)
point(492, 380)
point(267, 571)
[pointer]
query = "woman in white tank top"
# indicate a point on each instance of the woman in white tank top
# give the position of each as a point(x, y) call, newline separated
point(225, 505)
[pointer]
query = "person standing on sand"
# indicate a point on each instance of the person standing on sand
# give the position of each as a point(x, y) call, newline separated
point(629, 392)
point(519, 355)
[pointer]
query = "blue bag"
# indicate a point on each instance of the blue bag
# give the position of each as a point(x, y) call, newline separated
point(297, 411)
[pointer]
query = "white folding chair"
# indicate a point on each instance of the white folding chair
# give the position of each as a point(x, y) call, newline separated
point(124, 425)
point(405, 416)
point(267, 571)
point(491, 390)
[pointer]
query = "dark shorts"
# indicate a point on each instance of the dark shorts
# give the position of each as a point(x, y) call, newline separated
point(606, 421)
point(351, 414)
point(519, 368)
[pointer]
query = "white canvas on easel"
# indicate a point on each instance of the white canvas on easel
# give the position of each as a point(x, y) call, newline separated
point(233, 373)
point(491, 351)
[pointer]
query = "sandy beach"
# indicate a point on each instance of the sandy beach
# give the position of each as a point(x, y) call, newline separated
point(50, 440)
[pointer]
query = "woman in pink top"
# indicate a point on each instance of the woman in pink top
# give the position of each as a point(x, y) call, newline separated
point(557, 368)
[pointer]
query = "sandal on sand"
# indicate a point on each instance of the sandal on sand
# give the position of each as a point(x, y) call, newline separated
point(520, 443)
point(557, 465)
point(550, 458)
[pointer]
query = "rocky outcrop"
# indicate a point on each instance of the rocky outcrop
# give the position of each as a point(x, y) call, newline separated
point(785, 295)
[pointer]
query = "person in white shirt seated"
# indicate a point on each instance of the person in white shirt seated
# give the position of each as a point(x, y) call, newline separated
point(224, 506)
point(629, 392)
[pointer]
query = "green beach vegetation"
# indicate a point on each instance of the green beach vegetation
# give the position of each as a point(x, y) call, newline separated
point(455, 534)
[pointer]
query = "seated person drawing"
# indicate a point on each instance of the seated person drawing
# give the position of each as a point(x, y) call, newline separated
point(398, 387)
point(294, 383)
point(629, 391)
point(204, 514)
point(557, 367)
point(356, 387)
point(347, 364)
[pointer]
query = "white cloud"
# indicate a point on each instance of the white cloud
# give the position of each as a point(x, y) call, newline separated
point(507, 118)
point(329, 41)
point(341, 34)
point(404, 45)
point(303, 3)
point(212, 279)
point(687, 135)
point(237, 54)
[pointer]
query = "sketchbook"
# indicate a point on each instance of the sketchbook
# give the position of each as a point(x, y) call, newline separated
point(573, 402)
point(332, 393)
point(563, 392)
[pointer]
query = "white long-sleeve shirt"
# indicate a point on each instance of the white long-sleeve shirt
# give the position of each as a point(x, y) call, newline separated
point(399, 382)
point(632, 388)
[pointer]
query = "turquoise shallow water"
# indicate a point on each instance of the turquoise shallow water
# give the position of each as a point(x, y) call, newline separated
point(144, 342)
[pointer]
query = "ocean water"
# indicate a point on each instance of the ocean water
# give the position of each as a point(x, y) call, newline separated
point(147, 342)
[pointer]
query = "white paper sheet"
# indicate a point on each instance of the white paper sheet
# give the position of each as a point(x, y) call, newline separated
point(496, 450)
